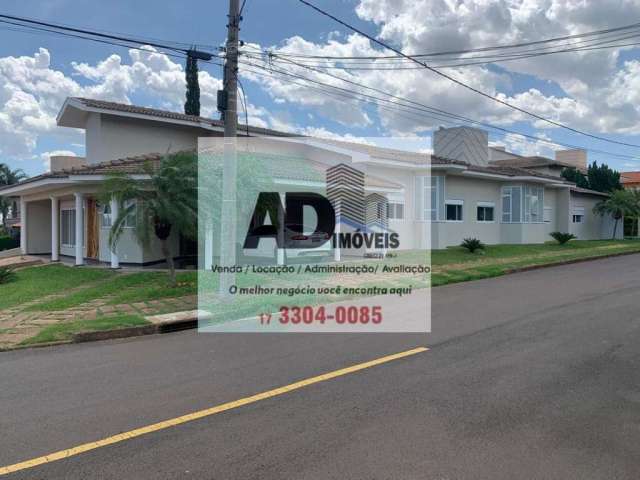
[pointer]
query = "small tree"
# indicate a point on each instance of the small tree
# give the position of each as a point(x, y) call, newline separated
point(602, 178)
point(576, 176)
point(8, 177)
point(162, 205)
point(192, 105)
point(619, 204)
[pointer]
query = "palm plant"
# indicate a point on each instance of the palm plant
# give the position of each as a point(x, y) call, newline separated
point(472, 244)
point(166, 203)
point(8, 177)
point(562, 237)
point(619, 204)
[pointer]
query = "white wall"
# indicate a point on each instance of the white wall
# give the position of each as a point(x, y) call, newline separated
point(112, 138)
point(39, 227)
point(129, 249)
point(594, 226)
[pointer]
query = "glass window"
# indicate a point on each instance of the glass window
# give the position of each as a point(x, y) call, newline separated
point(511, 204)
point(506, 205)
point(547, 214)
point(430, 195)
point(130, 221)
point(395, 211)
point(485, 213)
point(68, 227)
point(578, 218)
point(533, 204)
point(454, 211)
point(106, 216)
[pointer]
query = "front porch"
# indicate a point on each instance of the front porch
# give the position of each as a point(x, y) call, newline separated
point(68, 226)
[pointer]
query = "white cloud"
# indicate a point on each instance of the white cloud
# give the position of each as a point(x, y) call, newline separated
point(524, 146)
point(595, 92)
point(32, 92)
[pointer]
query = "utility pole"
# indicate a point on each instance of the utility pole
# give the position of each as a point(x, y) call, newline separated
point(229, 169)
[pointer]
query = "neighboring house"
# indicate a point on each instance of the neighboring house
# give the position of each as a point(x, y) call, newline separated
point(630, 180)
point(479, 197)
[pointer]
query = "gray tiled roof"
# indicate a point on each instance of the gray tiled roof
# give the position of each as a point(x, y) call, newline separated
point(166, 114)
point(530, 162)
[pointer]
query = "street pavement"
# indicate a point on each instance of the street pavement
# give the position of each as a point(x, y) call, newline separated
point(528, 376)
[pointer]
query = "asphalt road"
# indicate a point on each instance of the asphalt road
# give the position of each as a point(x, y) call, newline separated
point(529, 376)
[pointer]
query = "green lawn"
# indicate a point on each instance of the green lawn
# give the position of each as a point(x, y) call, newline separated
point(455, 264)
point(36, 282)
point(124, 288)
point(64, 331)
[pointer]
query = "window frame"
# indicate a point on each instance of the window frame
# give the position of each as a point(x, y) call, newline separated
point(455, 203)
point(485, 205)
point(106, 215)
point(508, 191)
point(533, 192)
point(70, 229)
point(425, 186)
point(578, 211)
point(393, 207)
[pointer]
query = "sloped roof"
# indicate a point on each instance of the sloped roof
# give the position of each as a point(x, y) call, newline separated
point(138, 165)
point(630, 177)
point(531, 162)
point(130, 165)
point(169, 115)
point(589, 192)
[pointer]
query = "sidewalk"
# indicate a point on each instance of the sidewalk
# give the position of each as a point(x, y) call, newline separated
point(20, 323)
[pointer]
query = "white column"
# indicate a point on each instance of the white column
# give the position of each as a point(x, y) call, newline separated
point(55, 232)
point(337, 254)
point(23, 225)
point(280, 260)
point(208, 245)
point(115, 261)
point(79, 229)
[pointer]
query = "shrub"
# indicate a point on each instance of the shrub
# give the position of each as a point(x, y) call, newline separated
point(6, 275)
point(472, 244)
point(7, 243)
point(561, 237)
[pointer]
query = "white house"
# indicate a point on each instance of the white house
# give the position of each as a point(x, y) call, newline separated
point(474, 190)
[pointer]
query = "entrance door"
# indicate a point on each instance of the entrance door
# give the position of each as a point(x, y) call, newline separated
point(92, 242)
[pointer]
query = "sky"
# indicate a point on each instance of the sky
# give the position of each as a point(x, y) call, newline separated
point(596, 91)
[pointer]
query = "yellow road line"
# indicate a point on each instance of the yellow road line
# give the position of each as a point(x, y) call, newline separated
point(121, 437)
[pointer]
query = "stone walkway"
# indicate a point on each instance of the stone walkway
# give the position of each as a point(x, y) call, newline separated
point(19, 323)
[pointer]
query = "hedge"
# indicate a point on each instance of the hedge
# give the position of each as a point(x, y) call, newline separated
point(7, 243)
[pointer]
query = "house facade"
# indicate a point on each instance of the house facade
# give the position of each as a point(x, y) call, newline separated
point(461, 190)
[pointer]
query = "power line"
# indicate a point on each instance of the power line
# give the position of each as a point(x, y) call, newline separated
point(413, 107)
point(40, 30)
point(89, 32)
point(462, 84)
point(393, 65)
point(475, 50)
point(375, 66)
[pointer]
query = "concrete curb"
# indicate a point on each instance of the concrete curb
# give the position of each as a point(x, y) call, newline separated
point(566, 262)
point(82, 337)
